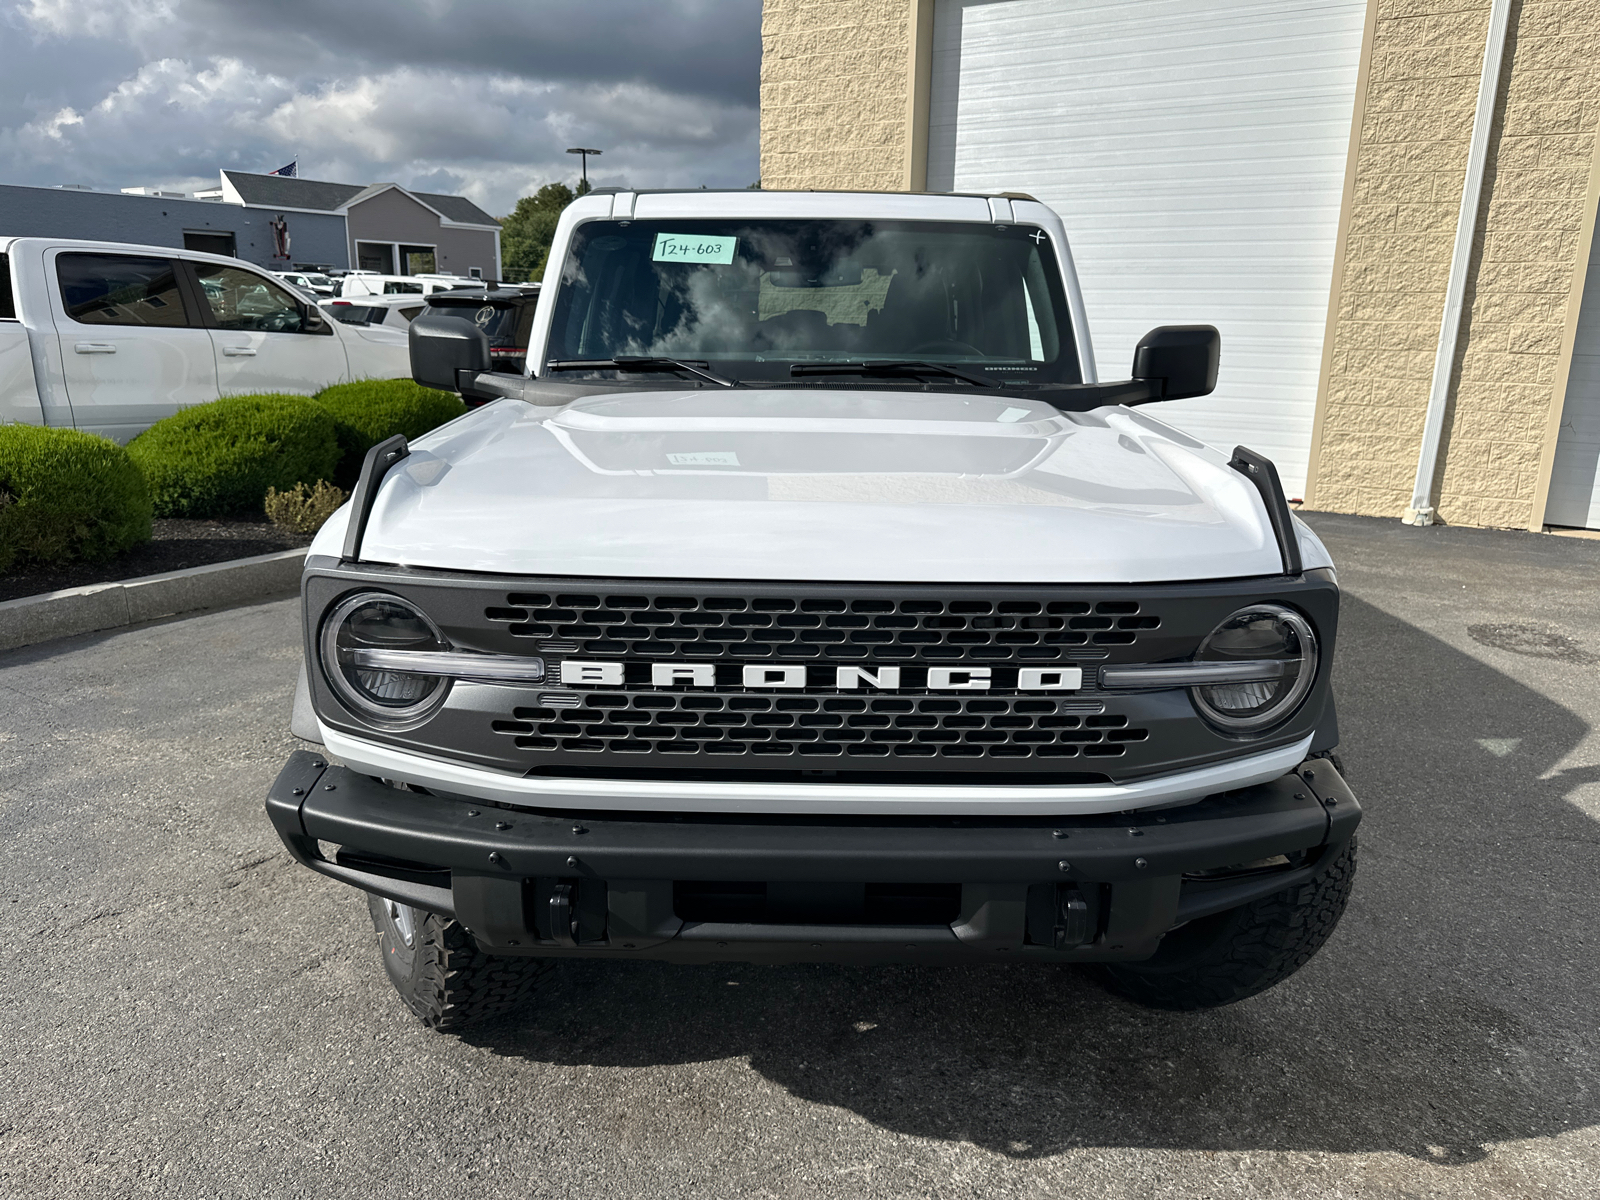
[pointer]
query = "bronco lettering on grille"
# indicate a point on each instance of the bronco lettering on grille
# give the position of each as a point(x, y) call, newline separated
point(589, 673)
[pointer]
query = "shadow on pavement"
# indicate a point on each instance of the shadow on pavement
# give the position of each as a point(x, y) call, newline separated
point(1451, 1009)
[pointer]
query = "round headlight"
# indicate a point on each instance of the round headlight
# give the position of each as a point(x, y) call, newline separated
point(1283, 643)
point(380, 621)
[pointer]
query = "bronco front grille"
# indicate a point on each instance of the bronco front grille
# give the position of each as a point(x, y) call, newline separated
point(824, 627)
point(820, 727)
point(758, 679)
point(731, 724)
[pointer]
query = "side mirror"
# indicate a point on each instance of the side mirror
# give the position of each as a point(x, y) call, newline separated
point(1181, 358)
point(312, 320)
point(447, 351)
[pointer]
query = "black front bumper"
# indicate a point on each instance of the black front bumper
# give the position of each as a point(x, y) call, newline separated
point(580, 883)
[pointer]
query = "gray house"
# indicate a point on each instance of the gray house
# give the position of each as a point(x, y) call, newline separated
point(154, 219)
point(388, 228)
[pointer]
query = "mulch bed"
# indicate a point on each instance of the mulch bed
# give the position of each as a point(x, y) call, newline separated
point(176, 544)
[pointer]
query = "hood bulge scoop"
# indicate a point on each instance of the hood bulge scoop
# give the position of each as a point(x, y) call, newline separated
point(820, 485)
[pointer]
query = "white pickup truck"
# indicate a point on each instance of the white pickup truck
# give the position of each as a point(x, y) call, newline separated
point(808, 597)
point(109, 338)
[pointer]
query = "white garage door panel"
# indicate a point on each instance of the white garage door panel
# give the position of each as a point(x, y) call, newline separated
point(1196, 153)
point(1575, 478)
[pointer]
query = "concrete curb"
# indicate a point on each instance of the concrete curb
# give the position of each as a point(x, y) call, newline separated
point(43, 618)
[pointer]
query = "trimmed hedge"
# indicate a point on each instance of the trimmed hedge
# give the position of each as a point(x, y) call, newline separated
point(374, 409)
point(66, 495)
point(217, 459)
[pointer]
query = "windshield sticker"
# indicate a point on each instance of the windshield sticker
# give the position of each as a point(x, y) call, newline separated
point(705, 458)
point(1012, 414)
point(693, 248)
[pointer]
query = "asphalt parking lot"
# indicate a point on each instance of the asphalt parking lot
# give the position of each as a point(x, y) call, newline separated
point(187, 1013)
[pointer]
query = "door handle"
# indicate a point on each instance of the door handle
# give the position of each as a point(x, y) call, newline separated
point(94, 348)
point(238, 352)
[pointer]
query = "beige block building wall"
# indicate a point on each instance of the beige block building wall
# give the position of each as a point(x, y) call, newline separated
point(837, 81)
point(1534, 238)
point(1408, 167)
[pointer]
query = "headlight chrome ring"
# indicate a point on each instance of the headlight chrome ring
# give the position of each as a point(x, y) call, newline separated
point(381, 621)
point(1260, 633)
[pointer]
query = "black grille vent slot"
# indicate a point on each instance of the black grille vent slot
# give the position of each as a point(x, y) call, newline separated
point(774, 627)
point(821, 727)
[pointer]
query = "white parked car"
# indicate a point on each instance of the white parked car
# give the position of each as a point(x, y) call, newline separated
point(809, 597)
point(366, 284)
point(395, 312)
point(109, 337)
point(313, 283)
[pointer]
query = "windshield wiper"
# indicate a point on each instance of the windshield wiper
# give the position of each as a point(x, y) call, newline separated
point(636, 362)
point(911, 368)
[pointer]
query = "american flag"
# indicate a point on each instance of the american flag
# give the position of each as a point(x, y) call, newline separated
point(292, 170)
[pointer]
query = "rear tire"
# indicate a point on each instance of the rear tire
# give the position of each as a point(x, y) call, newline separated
point(1240, 953)
point(440, 973)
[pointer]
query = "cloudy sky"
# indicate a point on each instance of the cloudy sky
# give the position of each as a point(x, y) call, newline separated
point(476, 97)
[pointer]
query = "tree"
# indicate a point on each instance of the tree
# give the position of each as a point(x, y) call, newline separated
point(525, 235)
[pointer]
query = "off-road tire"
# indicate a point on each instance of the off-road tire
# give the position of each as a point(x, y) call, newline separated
point(1237, 954)
point(442, 975)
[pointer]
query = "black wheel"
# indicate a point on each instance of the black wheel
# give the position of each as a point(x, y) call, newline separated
point(441, 974)
point(1236, 954)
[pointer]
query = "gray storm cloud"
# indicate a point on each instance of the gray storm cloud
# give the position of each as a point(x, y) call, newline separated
point(481, 97)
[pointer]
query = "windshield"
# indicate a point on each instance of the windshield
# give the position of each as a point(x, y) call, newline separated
point(752, 298)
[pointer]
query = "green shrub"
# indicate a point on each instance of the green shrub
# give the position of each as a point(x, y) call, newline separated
point(304, 509)
point(375, 409)
point(66, 495)
point(220, 458)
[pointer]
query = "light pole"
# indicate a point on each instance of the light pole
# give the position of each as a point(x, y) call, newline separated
point(585, 151)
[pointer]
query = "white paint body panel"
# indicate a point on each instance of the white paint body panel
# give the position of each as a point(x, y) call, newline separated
point(155, 372)
point(1197, 154)
point(1575, 479)
point(250, 361)
point(836, 485)
point(19, 395)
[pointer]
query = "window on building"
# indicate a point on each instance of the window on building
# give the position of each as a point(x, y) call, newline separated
point(419, 260)
point(210, 242)
point(475, 272)
point(245, 301)
point(375, 256)
point(120, 289)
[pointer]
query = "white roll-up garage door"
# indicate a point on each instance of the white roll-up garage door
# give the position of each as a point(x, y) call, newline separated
point(1575, 479)
point(1196, 152)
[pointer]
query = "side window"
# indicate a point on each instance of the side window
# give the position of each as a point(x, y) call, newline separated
point(120, 289)
point(394, 287)
point(245, 301)
point(8, 302)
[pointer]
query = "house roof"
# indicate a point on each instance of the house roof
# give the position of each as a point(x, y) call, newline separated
point(279, 191)
point(456, 208)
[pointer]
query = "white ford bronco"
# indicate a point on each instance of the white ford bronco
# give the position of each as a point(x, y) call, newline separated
point(810, 598)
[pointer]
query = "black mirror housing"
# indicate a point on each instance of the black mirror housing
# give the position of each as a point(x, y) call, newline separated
point(1183, 357)
point(442, 348)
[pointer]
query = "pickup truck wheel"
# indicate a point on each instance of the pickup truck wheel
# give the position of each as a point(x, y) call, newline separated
point(441, 974)
point(1236, 954)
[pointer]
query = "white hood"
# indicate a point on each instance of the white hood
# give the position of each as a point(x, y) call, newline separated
point(830, 485)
